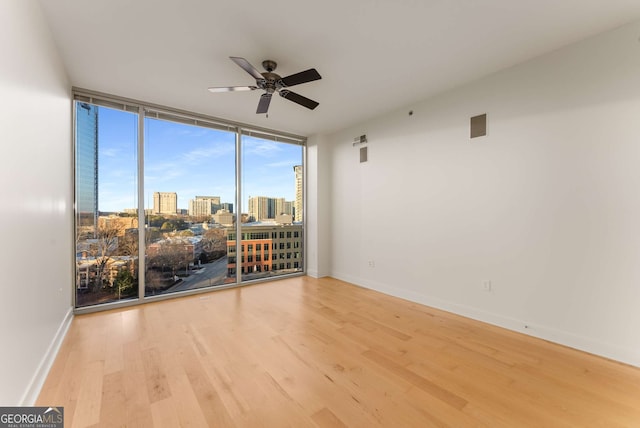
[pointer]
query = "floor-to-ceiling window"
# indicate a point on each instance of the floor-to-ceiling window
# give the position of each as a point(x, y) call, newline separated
point(272, 194)
point(162, 196)
point(189, 181)
point(106, 195)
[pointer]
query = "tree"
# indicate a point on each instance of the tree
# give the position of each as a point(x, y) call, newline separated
point(125, 283)
point(128, 245)
point(179, 254)
point(102, 249)
point(156, 220)
point(214, 243)
point(180, 224)
point(154, 281)
point(152, 234)
point(173, 255)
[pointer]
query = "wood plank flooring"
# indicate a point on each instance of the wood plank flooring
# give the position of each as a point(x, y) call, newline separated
point(305, 352)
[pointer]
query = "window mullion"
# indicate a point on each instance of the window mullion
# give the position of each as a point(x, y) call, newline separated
point(239, 207)
point(141, 214)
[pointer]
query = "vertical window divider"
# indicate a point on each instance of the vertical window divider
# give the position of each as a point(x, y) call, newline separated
point(76, 221)
point(142, 247)
point(239, 207)
point(304, 248)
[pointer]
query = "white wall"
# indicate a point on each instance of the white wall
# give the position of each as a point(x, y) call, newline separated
point(318, 179)
point(546, 207)
point(36, 193)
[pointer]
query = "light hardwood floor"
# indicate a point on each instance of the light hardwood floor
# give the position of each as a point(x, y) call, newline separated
point(304, 352)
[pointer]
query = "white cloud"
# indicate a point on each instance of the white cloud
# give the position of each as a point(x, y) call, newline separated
point(262, 148)
point(202, 154)
point(111, 152)
point(283, 163)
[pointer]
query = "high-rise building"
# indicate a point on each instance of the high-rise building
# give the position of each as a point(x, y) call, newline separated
point(281, 207)
point(227, 206)
point(287, 208)
point(198, 207)
point(261, 208)
point(266, 208)
point(215, 200)
point(299, 193)
point(204, 205)
point(165, 203)
point(87, 163)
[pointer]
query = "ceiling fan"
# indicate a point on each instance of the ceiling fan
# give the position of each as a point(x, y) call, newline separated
point(271, 82)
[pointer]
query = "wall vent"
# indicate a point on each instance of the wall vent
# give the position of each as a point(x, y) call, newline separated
point(479, 126)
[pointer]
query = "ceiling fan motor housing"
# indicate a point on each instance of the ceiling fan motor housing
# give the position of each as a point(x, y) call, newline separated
point(271, 82)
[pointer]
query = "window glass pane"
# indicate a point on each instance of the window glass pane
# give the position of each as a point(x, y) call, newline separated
point(272, 198)
point(188, 200)
point(106, 201)
point(189, 206)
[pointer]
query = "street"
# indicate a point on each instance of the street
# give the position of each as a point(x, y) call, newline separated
point(208, 275)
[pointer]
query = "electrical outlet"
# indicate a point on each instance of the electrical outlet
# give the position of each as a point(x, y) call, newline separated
point(371, 264)
point(486, 285)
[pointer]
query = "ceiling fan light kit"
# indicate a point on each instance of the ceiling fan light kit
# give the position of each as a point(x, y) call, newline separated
point(271, 82)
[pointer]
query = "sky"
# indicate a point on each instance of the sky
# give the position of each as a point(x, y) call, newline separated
point(188, 160)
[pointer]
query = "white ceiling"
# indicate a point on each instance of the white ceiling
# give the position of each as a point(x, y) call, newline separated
point(374, 55)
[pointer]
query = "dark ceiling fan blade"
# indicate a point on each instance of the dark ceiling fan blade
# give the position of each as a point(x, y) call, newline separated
point(299, 99)
point(263, 104)
point(232, 88)
point(246, 66)
point(303, 77)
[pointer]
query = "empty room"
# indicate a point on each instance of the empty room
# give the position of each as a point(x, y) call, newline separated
point(332, 214)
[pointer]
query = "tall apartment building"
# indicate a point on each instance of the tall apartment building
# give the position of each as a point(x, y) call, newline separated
point(204, 205)
point(282, 207)
point(87, 164)
point(287, 208)
point(214, 200)
point(266, 208)
point(165, 203)
point(261, 208)
point(298, 215)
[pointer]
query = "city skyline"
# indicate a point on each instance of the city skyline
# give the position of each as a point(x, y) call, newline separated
point(189, 161)
point(223, 205)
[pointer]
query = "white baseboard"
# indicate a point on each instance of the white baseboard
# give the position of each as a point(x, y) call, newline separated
point(37, 381)
point(315, 273)
point(565, 338)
